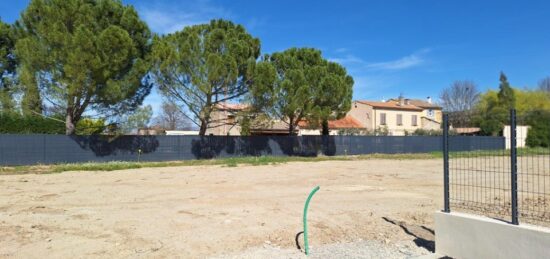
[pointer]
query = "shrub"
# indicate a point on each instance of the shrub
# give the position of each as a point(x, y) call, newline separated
point(539, 131)
point(13, 123)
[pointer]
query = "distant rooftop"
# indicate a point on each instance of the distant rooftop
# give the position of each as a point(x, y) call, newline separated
point(391, 105)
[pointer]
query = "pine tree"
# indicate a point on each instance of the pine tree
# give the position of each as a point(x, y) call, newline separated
point(84, 55)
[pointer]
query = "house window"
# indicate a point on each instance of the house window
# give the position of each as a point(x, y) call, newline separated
point(414, 120)
point(399, 120)
point(382, 119)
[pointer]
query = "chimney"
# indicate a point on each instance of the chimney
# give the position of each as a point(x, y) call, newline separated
point(429, 99)
point(407, 101)
point(401, 100)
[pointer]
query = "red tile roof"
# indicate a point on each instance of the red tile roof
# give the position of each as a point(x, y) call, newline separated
point(391, 105)
point(347, 122)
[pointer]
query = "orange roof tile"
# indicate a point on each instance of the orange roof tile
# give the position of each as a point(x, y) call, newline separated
point(347, 122)
point(391, 105)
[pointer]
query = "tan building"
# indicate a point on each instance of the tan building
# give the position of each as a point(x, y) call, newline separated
point(226, 117)
point(398, 116)
point(224, 120)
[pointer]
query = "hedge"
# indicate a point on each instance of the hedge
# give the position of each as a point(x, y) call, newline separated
point(11, 123)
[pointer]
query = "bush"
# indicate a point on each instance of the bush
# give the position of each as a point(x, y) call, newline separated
point(539, 131)
point(13, 123)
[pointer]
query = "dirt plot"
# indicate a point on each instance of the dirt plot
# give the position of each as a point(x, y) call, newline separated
point(212, 210)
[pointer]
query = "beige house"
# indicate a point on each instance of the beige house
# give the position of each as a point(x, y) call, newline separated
point(398, 116)
point(225, 122)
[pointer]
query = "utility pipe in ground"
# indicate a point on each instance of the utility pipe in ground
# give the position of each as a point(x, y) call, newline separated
point(306, 245)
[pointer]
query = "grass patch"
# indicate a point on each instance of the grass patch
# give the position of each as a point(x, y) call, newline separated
point(227, 162)
point(527, 151)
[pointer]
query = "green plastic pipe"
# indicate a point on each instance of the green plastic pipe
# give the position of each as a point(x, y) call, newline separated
point(306, 244)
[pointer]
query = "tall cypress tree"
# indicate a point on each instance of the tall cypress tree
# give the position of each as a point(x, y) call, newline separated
point(506, 97)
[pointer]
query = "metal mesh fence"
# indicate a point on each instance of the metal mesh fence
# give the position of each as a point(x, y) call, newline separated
point(510, 183)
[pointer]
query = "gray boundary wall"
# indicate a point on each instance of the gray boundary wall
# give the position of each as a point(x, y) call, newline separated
point(468, 236)
point(52, 149)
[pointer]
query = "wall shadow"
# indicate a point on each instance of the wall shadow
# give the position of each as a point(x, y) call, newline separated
point(103, 145)
point(306, 146)
point(208, 147)
point(423, 236)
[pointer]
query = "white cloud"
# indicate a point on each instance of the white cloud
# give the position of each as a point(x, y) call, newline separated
point(165, 18)
point(347, 60)
point(413, 60)
point(357, 63)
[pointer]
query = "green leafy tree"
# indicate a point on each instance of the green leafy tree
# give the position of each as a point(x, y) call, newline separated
point(299, 84)
point(85, 55)
point(140, 118)
point(88, 126)
point(493, 108)
point(539, 131)
point(333, 96)
point(8, 66)
point(203, 66)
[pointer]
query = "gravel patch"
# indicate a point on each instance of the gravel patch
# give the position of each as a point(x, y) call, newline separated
point(359, 249)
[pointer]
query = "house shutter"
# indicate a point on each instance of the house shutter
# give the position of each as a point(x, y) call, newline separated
point(399, 119)
point(414, 122)
point(382, 119)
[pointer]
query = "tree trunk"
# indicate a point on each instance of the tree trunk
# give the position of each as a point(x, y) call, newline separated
point(325, 130)
point(202, 130)
point(69, 125)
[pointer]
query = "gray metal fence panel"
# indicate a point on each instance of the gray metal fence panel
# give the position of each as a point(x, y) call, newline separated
point(51, 149)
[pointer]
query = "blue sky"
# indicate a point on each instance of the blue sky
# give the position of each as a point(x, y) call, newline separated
point(389, 47)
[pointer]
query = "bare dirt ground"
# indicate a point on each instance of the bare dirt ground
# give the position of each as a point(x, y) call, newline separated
point(208, 211)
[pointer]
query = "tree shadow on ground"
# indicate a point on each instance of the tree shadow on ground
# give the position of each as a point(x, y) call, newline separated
point(423, 236)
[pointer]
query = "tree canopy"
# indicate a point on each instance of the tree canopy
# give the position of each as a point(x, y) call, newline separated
point(85, 54)
point(7, 65)
point(136, 120)
point(172, 118)
point(204, 65)
point(299, 84)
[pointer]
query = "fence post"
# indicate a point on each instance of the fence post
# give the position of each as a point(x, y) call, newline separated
point(446, 162)
point(514, 166)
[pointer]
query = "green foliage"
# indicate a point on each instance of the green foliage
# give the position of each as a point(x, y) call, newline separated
point(493, 108)
point(353, 132)
point(425, 132)
point(492, 115)
point(13, 123)
point(506, 97)
point(85, 54)
point(299, 84)
point(89, 126)
point(140, 118)
point(7, 66)
point(538, 134)
point(205, 65)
